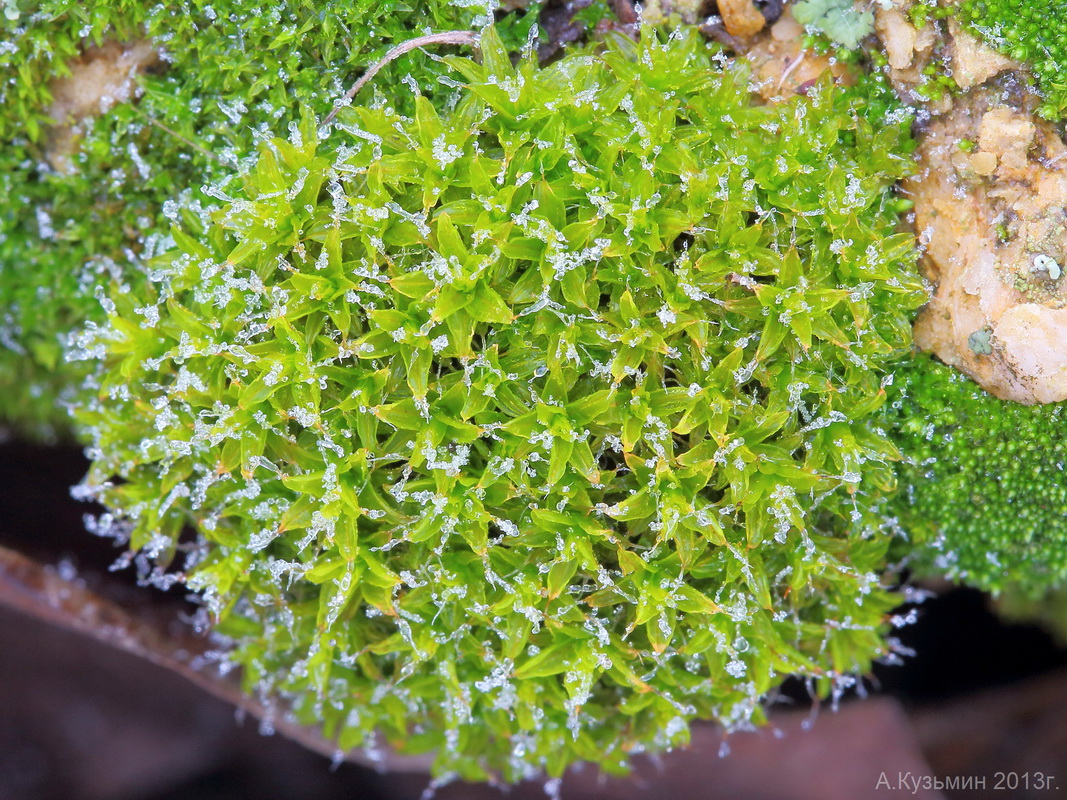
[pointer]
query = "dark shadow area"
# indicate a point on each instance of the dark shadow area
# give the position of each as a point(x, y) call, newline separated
point(82, 721)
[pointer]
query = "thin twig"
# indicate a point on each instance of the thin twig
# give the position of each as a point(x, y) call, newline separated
point(448, 37)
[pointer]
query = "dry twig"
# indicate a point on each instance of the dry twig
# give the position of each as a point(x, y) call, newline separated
point(448, 37)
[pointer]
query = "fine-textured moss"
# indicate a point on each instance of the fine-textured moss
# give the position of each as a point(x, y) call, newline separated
point(1032, 31)
point(531, 432)
point(983, 494)
point(232, 72)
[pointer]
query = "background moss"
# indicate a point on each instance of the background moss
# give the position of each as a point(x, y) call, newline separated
point(983, 491)
point(233, 73)
point(530, 431)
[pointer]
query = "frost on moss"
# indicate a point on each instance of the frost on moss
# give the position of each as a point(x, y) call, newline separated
point(529, 433)
point(983, 492)
point(1032, 31)
point(232, 72)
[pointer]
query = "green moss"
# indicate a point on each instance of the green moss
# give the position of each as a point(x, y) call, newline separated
point(1033, 31)
point(529, 433)
point(984, 492)
point(233, 71)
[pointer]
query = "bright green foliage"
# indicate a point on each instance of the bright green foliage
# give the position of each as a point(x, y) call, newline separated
point(1033, 31)
point(529, 433)
point(233, 71)
point(1049, 610)
point(984, 497)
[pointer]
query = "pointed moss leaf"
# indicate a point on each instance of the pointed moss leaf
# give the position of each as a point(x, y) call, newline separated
point(495, 57)
point(692, 601)
point(630, 562)
point(639, 506)
point(553, 660)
